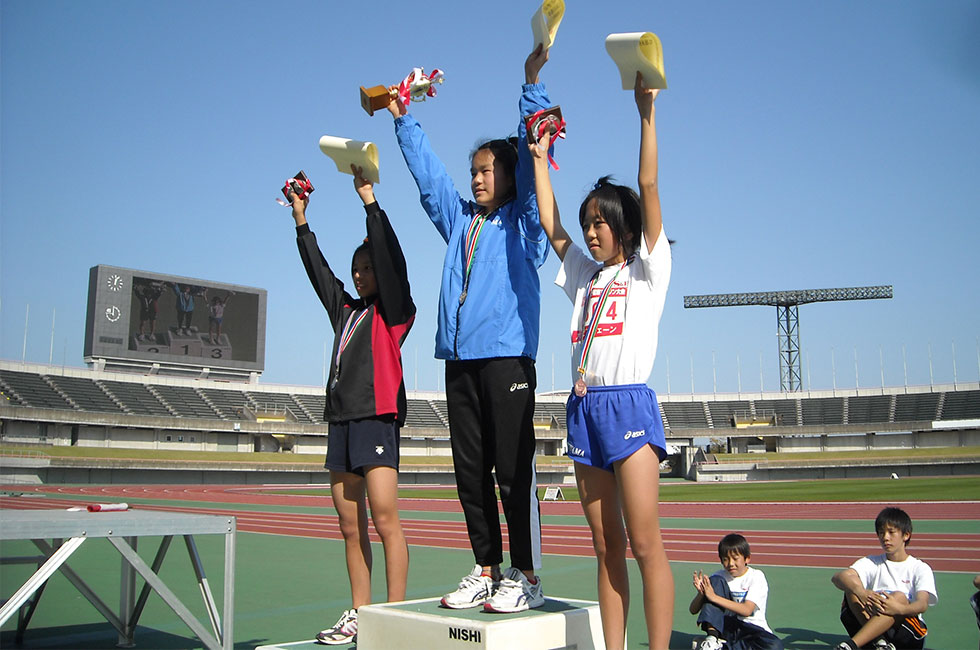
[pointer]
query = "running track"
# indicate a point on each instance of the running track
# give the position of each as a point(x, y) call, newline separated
point(943, 551)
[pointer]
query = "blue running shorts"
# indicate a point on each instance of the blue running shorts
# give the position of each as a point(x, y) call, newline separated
point(356, 444)
point(610, 423)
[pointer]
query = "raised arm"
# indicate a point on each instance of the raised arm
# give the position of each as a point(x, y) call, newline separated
point(437, 193)
point(387, 257)
point(328, 287)
point(534, 98)
point(547, 205)
point(647, 176)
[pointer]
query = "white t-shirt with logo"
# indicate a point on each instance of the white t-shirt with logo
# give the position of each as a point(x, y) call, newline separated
point(909, 576)
point(624, 347)
point(752, 586)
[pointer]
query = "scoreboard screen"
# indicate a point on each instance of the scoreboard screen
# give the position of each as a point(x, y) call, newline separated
point(168, 319)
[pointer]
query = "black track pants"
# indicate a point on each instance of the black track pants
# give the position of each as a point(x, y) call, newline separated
point(491, 406)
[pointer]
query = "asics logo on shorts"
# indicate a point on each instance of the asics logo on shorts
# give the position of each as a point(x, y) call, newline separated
point(516, 386)
point(635, 434)
point(575, 451)
point(379, 450)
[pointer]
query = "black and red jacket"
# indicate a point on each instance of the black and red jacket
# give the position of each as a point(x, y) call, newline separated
point(368, 382)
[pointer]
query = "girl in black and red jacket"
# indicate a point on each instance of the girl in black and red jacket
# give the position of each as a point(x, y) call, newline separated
point(365, 404)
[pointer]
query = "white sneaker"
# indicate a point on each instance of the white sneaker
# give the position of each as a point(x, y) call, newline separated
point(474, 590)
point(882, 644)
point(343, 632)
point(711, 643)
point(515, 594)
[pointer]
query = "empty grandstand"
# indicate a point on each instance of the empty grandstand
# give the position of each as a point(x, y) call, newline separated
point(94, 408)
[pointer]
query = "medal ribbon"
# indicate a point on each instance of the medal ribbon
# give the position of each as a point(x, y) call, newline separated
point(472, 237)
point(349, 328)
point(593, 326)
point(469, 249)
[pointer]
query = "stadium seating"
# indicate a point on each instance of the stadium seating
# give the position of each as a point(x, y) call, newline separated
point(961, 405)
point(30, 389)
point(147, 397)
point(87, 395)
point(916, 406)
point(135, 398)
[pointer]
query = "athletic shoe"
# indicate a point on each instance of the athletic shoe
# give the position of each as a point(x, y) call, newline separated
point(845, 645)
point(474, 590)
point(343, 632)
point(515, 594)
point(711, 643)
point(882, 644)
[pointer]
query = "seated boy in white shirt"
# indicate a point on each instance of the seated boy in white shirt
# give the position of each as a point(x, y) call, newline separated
point(731, 604)
point(885, 595)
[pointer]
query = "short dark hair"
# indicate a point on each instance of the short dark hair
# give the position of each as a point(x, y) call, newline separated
point(619, 206)
point(363, 248)
point(733, 542)
point(504, 152)
point(897, 518)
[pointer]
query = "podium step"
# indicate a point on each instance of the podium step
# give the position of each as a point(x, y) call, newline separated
point(560, 624)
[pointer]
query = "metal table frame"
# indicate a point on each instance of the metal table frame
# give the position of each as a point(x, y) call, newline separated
point(122, 530)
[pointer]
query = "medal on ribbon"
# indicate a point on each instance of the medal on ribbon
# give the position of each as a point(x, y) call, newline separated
point(593, 323)
point(469, 247)
point(353, 323)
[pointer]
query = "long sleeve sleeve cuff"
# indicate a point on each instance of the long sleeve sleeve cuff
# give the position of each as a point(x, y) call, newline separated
point(302, 230)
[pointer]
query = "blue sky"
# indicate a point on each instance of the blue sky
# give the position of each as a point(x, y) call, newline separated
point(802, 145)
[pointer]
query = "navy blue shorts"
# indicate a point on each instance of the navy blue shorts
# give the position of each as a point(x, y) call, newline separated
point(611, 423)
point(356, 444)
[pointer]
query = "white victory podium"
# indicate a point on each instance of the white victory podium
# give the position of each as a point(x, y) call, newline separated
point(560, 624)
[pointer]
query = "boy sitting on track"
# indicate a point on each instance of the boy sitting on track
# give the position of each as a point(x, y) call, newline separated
point(731, 604)
point(885, 595)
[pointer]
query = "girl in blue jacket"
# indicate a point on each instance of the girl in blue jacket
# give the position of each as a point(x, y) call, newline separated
point(489, 306)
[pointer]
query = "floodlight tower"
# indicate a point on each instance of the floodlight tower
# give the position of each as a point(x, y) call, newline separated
point(787, 317)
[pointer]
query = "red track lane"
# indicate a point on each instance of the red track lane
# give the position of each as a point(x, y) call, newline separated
point(262, 495)
point(944, 552)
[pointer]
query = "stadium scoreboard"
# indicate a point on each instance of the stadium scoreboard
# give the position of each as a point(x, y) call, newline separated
point(143, 319)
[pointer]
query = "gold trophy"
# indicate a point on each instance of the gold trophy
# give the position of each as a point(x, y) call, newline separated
point(417, 85)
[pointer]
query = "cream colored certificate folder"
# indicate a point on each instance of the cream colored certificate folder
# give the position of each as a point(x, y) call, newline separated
point(545, 21)
point(638, 51)
point(345, 152)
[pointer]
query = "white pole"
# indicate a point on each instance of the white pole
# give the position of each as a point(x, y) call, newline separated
point(953, 344)
point(978, 357)
point(714, 374)
point(856, 384)
point(833, 366)
point(692, 373)
point(930, 364)
point(905, 365)
point(738, 370)
point(881, 363)
point(761, 385)
point(809, 384)
point(27, 318)
point(51, 348)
